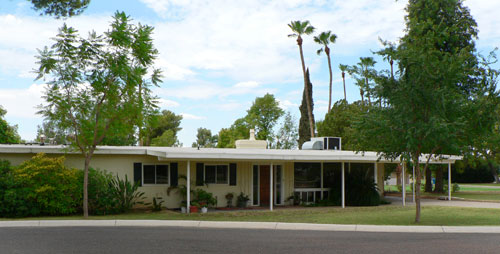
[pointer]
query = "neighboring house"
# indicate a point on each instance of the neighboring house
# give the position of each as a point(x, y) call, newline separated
point(262, 174)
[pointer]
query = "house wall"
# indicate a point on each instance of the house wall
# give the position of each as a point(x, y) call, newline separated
point(123, 165)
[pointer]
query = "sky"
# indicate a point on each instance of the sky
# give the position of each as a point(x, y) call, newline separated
point(217, 56)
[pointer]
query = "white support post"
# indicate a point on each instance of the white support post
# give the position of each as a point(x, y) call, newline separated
point(403, 191)
point(449, 181)
point(321, 183)
point(188, 185)
point(343, 184)
point(413, 181)
point(375, 174)
point(271, 188)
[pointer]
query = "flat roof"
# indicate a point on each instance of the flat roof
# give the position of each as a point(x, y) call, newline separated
point(188, 153)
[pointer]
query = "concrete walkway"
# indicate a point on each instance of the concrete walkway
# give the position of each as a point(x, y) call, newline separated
point(250, 225)
point(397, 201)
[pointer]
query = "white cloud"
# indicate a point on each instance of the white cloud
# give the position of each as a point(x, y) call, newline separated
point(247, 84)
point(286, 104)
point(164, 103)
point(22, 103)
point(192, 117)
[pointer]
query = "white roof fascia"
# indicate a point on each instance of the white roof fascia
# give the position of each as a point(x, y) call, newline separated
point(170, 153)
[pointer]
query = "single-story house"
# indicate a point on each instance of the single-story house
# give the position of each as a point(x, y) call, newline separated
point(267, 176)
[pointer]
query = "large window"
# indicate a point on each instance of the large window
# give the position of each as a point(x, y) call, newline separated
point(155, 174)
point(216, 174)
point(307, 175)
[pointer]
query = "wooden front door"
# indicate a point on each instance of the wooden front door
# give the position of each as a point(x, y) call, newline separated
point(264, 185)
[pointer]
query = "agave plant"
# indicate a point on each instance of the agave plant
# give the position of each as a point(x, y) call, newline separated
point(126, 193)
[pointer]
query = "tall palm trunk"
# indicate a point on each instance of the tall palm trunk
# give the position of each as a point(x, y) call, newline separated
point(327, 51)
point(343, 81)
point(308, 100)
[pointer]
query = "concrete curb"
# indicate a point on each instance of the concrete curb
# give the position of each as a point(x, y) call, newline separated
point(251, 225)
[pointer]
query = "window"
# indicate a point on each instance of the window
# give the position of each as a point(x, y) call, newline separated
point(155, 174)
point(307, 175)
point(216, 174)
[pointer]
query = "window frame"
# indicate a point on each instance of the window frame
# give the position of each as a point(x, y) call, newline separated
point(216, 164)
point(155, 165)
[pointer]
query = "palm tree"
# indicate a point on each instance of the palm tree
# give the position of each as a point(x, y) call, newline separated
point(303, 28)
point(388, 53)
point(343, 68)
point(324, 39)
point(366, 65)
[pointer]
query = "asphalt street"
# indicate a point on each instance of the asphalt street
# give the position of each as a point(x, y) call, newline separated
point(204, 240)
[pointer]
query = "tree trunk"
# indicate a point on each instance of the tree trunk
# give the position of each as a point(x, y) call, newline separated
point(343, 81)
point(493, 171)
point(438, 188)
point(418, 172)
point(392, 69)
point(330, 69)
point(85, 186)
point(362, 96)
point(428, 180)
point(309, 111)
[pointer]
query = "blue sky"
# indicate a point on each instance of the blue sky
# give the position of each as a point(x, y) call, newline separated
point(217, 55)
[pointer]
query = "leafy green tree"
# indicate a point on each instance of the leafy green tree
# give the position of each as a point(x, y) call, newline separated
point(304, 126)
point(8, 133)
point(324, 39)
point(263, 115)
point(94, 81)
point(287, 136)
point(159, 123)
point(168, 138)
point(485, 146)
point(240, 129)
point(205, 139)
point(304, 28)
point(60, 8)
point(432, 101)
point(339, 122)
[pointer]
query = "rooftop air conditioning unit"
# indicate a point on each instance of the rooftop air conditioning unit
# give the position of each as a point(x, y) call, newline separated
point(323, 143)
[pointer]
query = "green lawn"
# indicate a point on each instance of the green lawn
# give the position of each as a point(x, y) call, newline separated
point(482, 184)
point(382, 215)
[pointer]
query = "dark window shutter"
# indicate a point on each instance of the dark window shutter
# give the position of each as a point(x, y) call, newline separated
point(138, 172)
point(199, 174)
point(174, 174)
point(232, 174)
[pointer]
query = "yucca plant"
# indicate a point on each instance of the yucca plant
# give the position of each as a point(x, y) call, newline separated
point(126, 193)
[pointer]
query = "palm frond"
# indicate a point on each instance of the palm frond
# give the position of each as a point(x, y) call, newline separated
point(319, 51)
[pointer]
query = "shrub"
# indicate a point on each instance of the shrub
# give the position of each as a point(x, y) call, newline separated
point(454, 187)
point(102, 200)
point(39, 186)
point(360, 190)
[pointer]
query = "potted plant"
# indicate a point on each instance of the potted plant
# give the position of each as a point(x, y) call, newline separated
point(229, 198)
point(242, 200)
point(205, 199)
point(194, 207)
point(183, 206)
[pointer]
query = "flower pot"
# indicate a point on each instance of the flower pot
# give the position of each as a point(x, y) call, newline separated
point(193, 209)
point(204, 210)
point(183, 209)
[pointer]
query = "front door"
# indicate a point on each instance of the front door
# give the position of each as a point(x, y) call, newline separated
point(264, 185)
